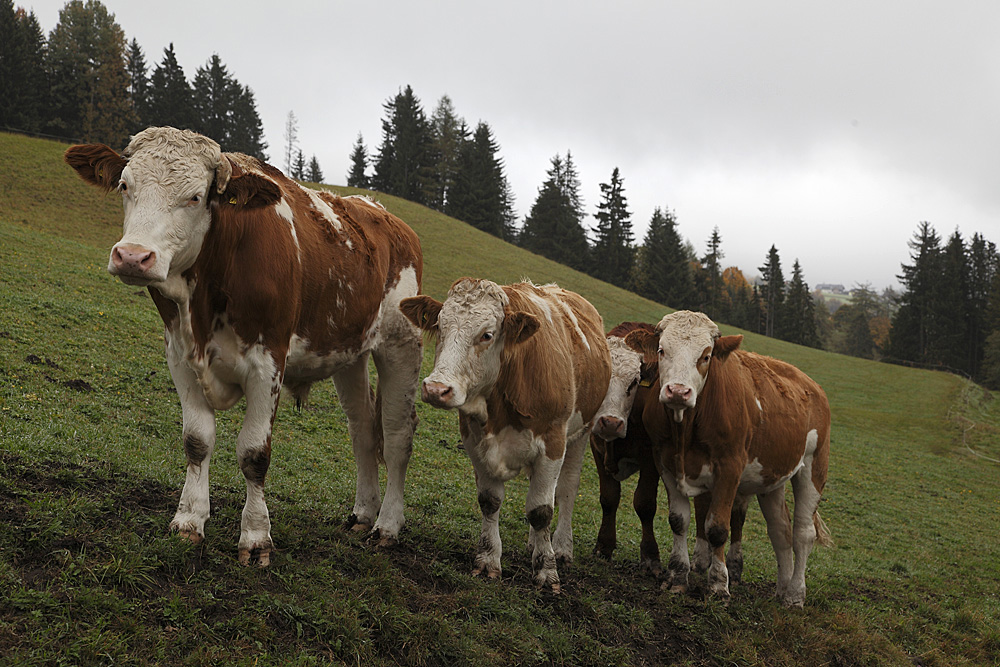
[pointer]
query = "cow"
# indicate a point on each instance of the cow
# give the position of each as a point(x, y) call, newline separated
point(621, 447)
point(735, 424)
point(262, 282)
point(526, 367)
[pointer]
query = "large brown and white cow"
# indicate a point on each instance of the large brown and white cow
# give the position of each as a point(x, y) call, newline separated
point(260, 282)
point(621, 446)
point(526, 367)
point(736, 424)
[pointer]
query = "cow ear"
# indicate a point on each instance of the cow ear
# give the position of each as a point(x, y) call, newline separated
point(518, 327)
point(97, 164)
point(725, 345)
point(244, 189)
point(645, 343)
point(422, 311)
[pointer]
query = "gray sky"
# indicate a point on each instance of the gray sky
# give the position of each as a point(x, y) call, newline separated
point(830, 129)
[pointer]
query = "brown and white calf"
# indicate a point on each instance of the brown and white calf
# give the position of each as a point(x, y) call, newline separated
point(260, 282)
point(736, 424)
point(621, 446)
point(526, 367)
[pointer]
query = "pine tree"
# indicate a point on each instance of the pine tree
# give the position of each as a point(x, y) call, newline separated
point(170, 96)
point(479, 194)
point(772, 294)
point(713, 298)
point(983, 265)
point(613, 253)
point(246, 134)
point(314, 174)
point(23, 85)
point(404, 163)
point(357, 178)
point(213, 102)
point(913, 326)
point(449, 134)
point(663, 272)
point(800, 311)
point(298, 171)
point(138, 86)
point(948, 335)
point(553, 228)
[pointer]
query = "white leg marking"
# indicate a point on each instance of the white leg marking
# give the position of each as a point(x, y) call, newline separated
point(355, 397)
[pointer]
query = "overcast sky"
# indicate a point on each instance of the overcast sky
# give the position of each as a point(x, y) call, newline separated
point(829, 129)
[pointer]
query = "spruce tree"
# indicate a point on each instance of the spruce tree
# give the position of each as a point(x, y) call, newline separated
point(663, 272)
point(170, 96)
point(214, 102)
point(299, 167)
point(479, 193)
point(553, 227)
point(713, 297)
point(449, 134)
point(613, 253)
point(314, 174)
point(800, 311)
point(246, 134)
point(772, 294)
point(914, 324)
point(23, 84)
point(357, 178)
point(983, 265)
point(404, 164)
point(138, 85)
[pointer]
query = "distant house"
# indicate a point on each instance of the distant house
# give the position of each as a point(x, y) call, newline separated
point(830, 287)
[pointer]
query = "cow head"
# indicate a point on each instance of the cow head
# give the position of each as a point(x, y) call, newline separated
point(473, 327)
point(169, 180)
point(611, 420)
point(683, 346)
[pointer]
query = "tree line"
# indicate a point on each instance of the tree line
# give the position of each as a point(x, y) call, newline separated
point(84, 82)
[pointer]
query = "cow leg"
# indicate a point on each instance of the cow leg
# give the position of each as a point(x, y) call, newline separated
point(490, 547)
point(253, 451)
point(644, 503)
point(717, 524)
point(567, 487)
point(355, 396)
point(702, 552)
point(539, 507)
point(779, 530)
point(610, 494)
point(398, 372)
point(803, 535)
point(734, 558)
point(198, 433)
point(679, 565)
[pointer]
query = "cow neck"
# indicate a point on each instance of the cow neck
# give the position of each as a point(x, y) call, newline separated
point(721, 409)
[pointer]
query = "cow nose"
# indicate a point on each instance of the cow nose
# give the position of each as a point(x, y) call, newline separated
point(436, 393)
point(677, 393)
point(610, 428)
point(133, 259)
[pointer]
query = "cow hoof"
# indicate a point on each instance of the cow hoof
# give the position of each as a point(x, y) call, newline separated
point(650, 566)
point(603, 552)
point(263, 556)
point(192, 536)
point(674, 588)
point(381, 541)
point(489, 572)
point(556, 589)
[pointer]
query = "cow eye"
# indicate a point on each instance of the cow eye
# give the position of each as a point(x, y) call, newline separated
point(194, 199)
point(122, 187)
point(660, 352)
point(486, 337)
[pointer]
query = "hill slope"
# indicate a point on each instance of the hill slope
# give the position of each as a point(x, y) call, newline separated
point(91, 468)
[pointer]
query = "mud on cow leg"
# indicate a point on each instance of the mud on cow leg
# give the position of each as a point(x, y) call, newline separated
point(543, 557)
point(255, 530)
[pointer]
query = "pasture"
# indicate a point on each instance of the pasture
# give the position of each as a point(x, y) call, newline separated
point(91, 467)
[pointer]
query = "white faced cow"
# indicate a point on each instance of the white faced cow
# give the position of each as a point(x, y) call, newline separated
point(260, 282)
point(526, 367)
point(735, 424)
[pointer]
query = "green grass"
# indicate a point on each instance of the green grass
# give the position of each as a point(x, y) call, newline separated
point(91, 468)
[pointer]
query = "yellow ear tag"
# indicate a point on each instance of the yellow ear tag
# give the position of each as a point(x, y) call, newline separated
point(232, 200)
point(646, 383)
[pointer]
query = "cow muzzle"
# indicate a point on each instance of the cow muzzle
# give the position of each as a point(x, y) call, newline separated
point(610, 428)
point(438, 394)
point(133, 264)
point(677, 397)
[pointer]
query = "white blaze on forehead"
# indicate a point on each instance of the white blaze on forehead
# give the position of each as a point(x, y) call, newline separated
point(625, 369)
point(684, 336)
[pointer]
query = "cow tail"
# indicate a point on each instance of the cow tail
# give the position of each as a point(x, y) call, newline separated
point(822, 532)
point(377, 434)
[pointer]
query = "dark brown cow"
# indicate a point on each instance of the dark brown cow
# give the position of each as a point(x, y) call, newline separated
point(526, 367)
point(621, 446)
point(736, 424)
point(260, 282)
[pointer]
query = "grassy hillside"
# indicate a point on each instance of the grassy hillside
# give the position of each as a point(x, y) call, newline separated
point(91, 468)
